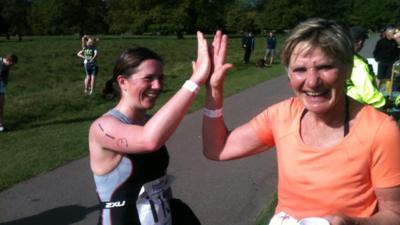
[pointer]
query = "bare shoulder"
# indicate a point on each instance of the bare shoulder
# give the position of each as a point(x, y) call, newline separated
point(101, 124)
point(102, 158)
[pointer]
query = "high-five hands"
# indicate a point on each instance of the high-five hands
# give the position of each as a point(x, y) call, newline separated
point(211, 60)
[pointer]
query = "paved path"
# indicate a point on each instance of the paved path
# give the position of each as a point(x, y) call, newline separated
point(220, 193)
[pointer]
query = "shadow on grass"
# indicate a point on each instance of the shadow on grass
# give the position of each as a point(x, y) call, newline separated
point(50, 123)
point(64, 215)
point(269, 211)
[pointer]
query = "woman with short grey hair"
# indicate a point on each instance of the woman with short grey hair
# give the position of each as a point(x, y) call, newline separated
point(337, 159)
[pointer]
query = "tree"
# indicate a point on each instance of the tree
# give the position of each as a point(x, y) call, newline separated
point(14, 17)
point(242, 16)
point(165, 16)
point(171, 17)
point(377, 14)
point(281, 14)
point(211, 14)
point(67, 16)
point(86, 16)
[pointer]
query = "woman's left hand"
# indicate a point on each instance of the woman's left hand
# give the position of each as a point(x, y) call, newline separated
point(218, 53)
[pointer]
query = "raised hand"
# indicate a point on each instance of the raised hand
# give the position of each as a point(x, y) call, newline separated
point(202, 66)
point(218, 53)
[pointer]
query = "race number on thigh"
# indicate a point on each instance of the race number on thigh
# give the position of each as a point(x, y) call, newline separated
point(153, 203)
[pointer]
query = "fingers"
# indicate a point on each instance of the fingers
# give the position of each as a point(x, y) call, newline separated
point(224, 69)
point(217, 42)
point(219, 48)
point(201, 44)
point(223, 46)
point(201, 67)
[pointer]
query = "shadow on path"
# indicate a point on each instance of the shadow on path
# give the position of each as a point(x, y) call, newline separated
point(64, 215)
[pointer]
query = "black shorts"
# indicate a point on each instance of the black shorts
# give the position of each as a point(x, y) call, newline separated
point(90, 69)
point(384, 70)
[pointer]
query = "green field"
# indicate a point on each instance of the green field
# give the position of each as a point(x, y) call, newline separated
point(47, 114)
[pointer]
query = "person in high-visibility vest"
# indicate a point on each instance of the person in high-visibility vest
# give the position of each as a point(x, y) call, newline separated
point(361, 85)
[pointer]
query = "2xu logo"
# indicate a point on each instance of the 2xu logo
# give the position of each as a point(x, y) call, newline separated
point(114, 204)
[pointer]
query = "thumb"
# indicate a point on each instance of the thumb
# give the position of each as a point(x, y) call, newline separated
point(221, 73)
point(193, 65)
point(226, 67)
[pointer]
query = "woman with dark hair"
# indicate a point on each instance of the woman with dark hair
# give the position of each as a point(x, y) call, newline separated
point(127, 153)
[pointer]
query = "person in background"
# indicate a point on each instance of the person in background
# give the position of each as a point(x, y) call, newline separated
point(89, 54)
point(128, 156)
point(386, 53)
point(396, 37)
point(361, 86)
point(337, 158)
point(248, 44)
point(270, 51)
point(6, 63)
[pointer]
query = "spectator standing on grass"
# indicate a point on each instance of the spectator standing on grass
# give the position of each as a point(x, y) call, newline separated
point(89, 54)
point(270, 50)
point(337, 159)
point(362, 85)
point(128, 156)
point(6, 63)
point(248, 44)
point(386, 53)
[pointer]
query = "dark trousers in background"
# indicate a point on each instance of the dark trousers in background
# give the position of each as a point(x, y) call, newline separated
point(247, 54)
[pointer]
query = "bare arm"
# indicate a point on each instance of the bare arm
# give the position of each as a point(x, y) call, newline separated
point(388, 212)
point(80, 54)
point(94, 56)
point(83, 41)
point(111, 134)
point(218, 142)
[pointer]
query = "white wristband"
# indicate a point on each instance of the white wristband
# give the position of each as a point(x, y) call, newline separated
point(191, 86)
point(212, 113)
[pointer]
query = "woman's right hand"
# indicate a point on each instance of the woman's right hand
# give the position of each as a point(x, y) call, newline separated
point(202, 66)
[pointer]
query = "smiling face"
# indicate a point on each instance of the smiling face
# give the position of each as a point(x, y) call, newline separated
point(141, 89)
point(318, 80)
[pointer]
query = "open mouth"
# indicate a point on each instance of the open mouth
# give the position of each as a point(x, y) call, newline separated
point(152, 94)
point(316, 94)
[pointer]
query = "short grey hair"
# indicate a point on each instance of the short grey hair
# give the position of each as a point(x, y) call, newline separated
point(332, 37)
point(390, 30)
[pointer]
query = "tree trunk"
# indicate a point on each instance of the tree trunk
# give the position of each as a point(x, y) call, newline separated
point(179, 35)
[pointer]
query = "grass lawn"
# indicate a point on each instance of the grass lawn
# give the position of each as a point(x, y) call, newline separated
point(48, 115)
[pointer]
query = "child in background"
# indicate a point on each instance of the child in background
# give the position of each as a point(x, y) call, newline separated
point(89, 55)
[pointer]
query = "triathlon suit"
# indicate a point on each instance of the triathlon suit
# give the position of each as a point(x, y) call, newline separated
point(135, 192)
